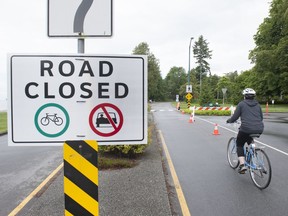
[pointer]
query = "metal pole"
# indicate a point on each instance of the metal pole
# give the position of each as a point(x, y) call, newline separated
point(200, 78)
point(81, 44)
point(189, 61)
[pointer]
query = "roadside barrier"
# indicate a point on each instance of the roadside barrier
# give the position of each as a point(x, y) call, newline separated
point(267, 108)
point(192, 119)
point(232, 109)
point(212, 108)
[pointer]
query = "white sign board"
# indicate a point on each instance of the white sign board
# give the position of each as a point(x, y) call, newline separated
point(188, 88)
point(91, 18)
point(177, 98)
point(54, 98)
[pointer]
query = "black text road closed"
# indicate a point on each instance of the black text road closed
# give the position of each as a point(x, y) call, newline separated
point(77, 84)
point(66, 90)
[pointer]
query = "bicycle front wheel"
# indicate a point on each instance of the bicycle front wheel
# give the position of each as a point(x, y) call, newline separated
point(260, 170)
point(232, 153)
point(44, 121)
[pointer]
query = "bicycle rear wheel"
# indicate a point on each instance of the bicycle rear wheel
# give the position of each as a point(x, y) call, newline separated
point(261, 174)
point(232, 153)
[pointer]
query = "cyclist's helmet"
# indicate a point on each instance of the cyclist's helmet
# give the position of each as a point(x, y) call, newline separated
point(249, 93)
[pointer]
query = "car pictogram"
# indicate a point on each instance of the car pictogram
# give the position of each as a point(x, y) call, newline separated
point(102, 118)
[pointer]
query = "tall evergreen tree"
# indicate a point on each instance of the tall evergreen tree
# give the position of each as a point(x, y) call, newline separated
point(155, 81)
point(202, 53)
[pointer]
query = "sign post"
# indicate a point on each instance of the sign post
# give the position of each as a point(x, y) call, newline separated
point(81, 177)
point(189, 96)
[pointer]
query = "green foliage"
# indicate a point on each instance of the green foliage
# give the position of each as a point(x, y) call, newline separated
point(270, 53)
point(213, 112)
point(3, 122)
point(201, 54)
point(128, 150)
point(124, 150)
point(207, 95)
point(175, 81)
point(155, 81)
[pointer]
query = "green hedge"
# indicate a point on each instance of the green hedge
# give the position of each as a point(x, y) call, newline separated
point(213, 112)
point(209, 112)
point(128, 150)
point(3, 122)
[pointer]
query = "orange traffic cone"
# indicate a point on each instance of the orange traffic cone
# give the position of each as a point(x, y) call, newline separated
point(191, 118)
point(216, 132)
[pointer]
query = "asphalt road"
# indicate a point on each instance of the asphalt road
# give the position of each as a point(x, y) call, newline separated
point(140, 190)
point(210, 186)
point(22, 170)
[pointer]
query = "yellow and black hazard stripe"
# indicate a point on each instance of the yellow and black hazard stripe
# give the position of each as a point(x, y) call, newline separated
point(81, 178)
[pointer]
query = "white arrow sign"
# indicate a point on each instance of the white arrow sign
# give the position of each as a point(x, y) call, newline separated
point(78, 18)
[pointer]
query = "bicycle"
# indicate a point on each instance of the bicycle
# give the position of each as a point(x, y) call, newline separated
point(256, 160)
point(54, 118)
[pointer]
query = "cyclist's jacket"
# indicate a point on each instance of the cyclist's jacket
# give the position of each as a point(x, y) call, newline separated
point(251, 116)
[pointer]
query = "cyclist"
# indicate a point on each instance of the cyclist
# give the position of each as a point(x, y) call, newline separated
point(251, 116)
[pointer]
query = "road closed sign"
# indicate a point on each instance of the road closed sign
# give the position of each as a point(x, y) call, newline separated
point(54, 98)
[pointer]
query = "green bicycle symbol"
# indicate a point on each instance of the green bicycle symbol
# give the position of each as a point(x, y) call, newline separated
point(44, 121)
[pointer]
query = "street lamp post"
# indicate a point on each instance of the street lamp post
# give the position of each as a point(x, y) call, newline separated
point(189, 61)
point(200, 77)
point(224, 93)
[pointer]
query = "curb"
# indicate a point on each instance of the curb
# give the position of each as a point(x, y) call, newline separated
point(3, 133)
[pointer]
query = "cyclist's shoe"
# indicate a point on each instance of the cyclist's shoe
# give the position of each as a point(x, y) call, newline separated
point(242, 169)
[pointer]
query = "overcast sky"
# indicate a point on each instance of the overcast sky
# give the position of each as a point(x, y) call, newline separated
point(166, 25)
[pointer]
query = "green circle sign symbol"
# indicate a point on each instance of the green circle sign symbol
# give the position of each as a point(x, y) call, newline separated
point(51, 105)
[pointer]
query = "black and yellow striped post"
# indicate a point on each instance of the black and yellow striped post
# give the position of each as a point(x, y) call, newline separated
point(81, 177)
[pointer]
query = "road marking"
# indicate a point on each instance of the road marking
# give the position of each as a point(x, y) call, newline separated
point(162, 110)
point(264, 144)
point(33, 193)
point(180, 194)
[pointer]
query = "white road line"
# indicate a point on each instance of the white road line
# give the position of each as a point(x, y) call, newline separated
point(264, 144)
point(163, 110)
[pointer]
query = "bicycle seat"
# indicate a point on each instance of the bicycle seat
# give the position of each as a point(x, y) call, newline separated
point(255, 135)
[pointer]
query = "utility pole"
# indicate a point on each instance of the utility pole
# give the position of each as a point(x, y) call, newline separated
point(189, 61)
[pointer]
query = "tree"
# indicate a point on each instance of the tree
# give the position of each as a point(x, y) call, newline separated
point(202, 53)
point(174, 80)
point(155, 81)
point(270, 53)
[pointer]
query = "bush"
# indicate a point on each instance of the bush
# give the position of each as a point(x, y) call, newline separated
point(3, 122)
point(210, 112)
point(124, 150)
point(213, 112)
point(128, 150)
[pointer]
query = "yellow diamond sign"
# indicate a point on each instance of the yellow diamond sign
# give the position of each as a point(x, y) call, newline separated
point(189, 96)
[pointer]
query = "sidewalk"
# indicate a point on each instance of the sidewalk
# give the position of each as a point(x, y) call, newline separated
point(137, 191)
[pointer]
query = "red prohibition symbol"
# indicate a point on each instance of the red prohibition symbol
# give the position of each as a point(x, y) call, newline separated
point(102, 108)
